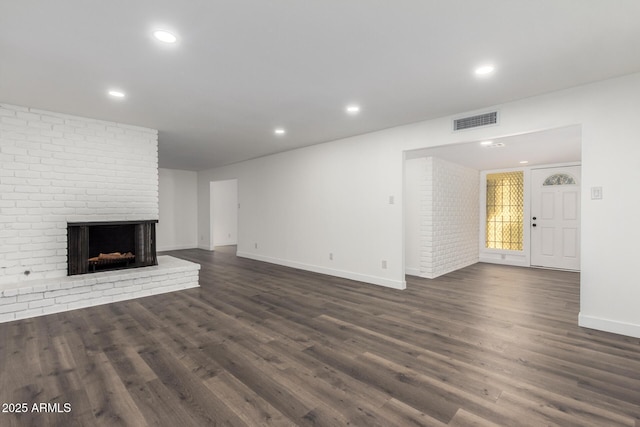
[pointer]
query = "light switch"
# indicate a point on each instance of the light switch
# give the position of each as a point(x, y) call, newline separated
point(596, 193)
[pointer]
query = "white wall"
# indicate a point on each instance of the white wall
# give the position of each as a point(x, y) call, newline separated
point(178, 204)
point(224, 212)
point(56, 168)
point(298, 207)
point(301, 205)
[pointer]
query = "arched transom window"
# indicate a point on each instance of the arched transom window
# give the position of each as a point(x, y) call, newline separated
point(559, 179)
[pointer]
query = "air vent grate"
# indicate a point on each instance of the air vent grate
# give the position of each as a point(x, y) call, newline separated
point(476, 121)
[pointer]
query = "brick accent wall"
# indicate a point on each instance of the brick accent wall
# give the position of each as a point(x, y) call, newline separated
point(449, 220)
point(56, 168)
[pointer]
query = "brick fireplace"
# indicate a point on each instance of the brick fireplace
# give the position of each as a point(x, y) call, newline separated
point(58, 171)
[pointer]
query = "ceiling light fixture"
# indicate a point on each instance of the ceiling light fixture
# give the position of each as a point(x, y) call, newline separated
point(484, 70)
point(164, 36)
point(486, 143)
point(493, 145)
point(524, 162)
point(116, 94)
point(279, 131)
point(353, 109)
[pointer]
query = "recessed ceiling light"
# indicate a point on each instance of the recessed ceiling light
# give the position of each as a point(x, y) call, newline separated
point(524, 162)
point(116, 93)
point(484, 70)
point(491, 144)
point(486, 143)
point(353, 109)
point(164, 36)
point(279, 131)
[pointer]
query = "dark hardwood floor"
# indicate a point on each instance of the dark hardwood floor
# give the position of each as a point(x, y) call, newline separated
point(260, 344)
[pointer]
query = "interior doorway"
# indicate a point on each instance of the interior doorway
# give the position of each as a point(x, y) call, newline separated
point(555, 218)
point(223, 213)
point(518, 152)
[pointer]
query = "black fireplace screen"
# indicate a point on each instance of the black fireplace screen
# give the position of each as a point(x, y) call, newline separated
point(100, 246)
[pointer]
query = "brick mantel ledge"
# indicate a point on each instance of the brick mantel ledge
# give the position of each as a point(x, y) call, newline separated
point(40, 297)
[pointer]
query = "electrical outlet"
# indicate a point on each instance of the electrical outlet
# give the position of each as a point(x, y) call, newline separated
point(391, 200)
point(201, 238)
point(330, 256)
point(596, 193)
point(384, 264)
point(255, 245)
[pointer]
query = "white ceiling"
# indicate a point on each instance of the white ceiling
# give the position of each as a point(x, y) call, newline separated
point(561, 145)
point(241, 68)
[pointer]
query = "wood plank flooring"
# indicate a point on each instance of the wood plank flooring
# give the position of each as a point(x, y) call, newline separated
point(260, 344)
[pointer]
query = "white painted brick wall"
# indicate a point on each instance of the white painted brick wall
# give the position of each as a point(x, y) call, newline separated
point(449, 223)
point(56, 168)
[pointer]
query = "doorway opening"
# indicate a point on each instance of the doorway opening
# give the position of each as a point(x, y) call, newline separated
point(223, 214)
point(555, 217)
point(441, 242)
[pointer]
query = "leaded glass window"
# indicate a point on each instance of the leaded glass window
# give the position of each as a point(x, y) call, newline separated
point(505, 210)
point(559, 179)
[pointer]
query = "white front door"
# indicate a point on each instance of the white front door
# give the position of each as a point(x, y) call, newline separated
point(555, 217)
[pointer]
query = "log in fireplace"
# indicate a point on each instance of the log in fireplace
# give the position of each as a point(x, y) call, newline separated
point(114, 245)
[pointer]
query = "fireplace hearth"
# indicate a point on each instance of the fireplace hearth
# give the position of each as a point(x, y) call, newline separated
point(114, 245)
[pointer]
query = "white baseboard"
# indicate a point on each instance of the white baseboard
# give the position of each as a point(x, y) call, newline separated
point(416, 271)
point(516, 263)
point(411, 271)
point(381, 281)
point(175, 247)
point(608, 325)
point(205, 247)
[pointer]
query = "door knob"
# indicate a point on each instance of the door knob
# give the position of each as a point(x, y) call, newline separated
point(533, 225)
point(534, 218)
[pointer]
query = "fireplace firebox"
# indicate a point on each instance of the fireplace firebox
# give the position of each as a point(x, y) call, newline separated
point(114, 245)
